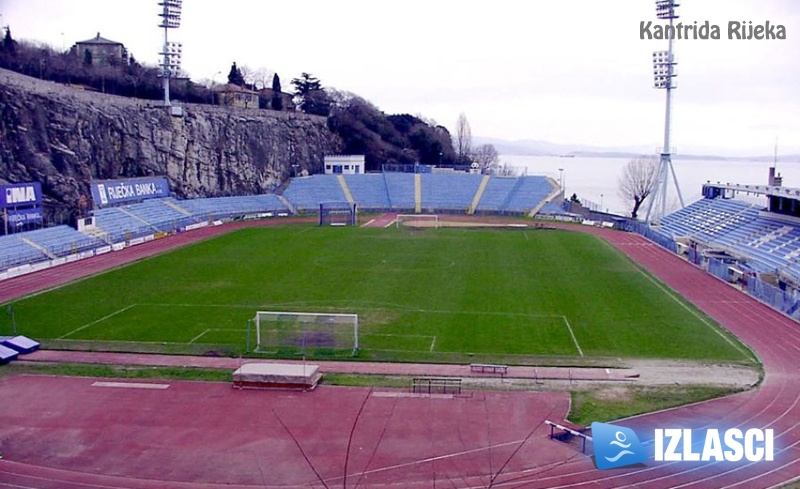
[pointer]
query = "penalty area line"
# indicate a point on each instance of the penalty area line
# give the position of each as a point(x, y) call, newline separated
point(433, 343)
point(81, 328)
point(572, 333)
point(199, 336)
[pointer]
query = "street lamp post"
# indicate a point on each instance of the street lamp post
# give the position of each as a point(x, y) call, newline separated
point(213, 85)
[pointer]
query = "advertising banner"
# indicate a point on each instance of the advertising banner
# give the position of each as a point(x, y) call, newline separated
point(20, 217)
point(20, 195)
point(111, 192)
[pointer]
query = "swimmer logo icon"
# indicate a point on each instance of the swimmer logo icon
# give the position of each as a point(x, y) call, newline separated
point(616, 446)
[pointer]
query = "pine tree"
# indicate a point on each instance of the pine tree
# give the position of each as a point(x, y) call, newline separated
point(277, 99)
point(235, 76)
point(9, 44)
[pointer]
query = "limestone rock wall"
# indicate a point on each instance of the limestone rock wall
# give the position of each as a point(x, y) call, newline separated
point(65, 137)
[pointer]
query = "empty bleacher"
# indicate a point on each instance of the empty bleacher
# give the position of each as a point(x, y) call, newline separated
point(439, 192)
point(213, 208)
point(14, 252)
point(527, 194)
point(306, 193)
point(117, 224)
point(496, 193)
point(770, 244)
point(61, 240)
point(446, 192)
point(400, 189)
point(709, 218)
point(369, 191)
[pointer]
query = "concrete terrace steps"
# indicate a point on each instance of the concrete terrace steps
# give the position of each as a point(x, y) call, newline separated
point(175, 206)
point(346, 190)
point(477, 199)
point(44, 250)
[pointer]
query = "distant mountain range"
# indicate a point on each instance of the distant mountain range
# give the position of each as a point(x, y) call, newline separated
point(533, 147)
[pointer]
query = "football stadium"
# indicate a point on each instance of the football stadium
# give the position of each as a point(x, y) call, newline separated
point(443, 279)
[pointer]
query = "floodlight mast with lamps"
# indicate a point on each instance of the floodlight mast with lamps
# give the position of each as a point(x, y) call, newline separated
point(664, 75)
point(171, 53)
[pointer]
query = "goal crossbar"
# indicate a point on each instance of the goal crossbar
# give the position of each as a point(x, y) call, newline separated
point(334, 329)
point(417, 220)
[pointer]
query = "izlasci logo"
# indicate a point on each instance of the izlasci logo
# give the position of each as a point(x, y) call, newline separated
point(616, 446)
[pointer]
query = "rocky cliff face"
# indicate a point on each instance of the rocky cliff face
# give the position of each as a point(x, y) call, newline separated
point(65, 137)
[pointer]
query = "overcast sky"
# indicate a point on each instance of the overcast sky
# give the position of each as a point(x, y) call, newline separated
point(567, 71)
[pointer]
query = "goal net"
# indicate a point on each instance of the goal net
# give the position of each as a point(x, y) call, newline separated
point(306, 332)
point(417, 220)
point(337, 214)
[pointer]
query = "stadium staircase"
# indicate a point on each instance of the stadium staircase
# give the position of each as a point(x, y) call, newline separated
point(288, 204)
point(417, 193)
point(507, 202)
point(346, 190)
point(388, 194)
point(477, 199)
point(175, 206)
point(44, 250)
point(140, 219)
point(98, 233)
point(555, 193)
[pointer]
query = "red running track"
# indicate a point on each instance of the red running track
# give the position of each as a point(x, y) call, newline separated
point(775, 404)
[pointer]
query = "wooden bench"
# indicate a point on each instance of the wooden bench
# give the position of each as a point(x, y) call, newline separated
point(488, 368)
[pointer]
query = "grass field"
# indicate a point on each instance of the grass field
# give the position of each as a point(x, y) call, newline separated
point(435, 295)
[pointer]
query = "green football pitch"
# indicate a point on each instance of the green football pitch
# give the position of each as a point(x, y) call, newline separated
point(434, 295)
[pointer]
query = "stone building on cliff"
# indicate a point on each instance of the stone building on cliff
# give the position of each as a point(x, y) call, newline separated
point(101, 51)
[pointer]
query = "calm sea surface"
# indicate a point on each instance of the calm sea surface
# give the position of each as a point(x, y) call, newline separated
point(596, 179)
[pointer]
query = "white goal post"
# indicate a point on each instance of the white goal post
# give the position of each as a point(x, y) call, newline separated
point(417, 220)
point(306, 330)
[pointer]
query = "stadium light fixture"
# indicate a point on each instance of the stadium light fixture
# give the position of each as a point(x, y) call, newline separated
point(664, 78)
point(172, 52)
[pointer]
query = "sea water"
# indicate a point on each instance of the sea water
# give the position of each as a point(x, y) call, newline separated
point(596, 180)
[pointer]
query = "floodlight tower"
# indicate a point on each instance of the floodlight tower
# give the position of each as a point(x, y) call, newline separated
point(171, 53)
point(664, 74)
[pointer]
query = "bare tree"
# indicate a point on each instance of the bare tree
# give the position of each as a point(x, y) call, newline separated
point(262, 77)
point(486, 156)
point(638, 181)
point(463, 140)
point(248, 74)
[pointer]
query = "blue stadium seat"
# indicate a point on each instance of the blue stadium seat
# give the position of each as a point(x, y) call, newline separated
point(400, 189)
point(448, 192)
point(213, 208)
point(306, 193)
point(369, 191)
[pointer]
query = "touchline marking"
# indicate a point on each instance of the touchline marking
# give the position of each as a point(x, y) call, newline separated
point(677, 299)
point(81, 328)
point(574, 340)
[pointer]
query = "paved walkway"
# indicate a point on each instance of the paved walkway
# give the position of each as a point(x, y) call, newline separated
point(368, 368)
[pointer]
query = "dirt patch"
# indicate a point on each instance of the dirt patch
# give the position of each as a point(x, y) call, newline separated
point(663, 372)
